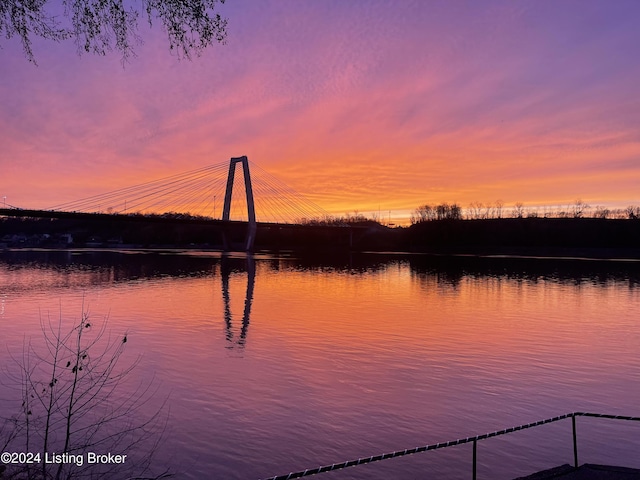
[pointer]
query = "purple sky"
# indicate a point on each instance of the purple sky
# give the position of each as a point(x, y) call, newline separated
point(358, 105)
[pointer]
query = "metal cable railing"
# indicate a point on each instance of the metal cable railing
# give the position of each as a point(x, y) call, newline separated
point(451, 443)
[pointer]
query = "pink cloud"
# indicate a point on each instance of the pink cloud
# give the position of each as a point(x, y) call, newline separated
point(353, 104)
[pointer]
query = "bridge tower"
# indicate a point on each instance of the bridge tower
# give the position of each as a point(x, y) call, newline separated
point(251, 232)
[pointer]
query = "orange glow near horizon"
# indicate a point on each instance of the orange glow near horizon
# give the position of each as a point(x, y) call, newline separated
point(367, 108)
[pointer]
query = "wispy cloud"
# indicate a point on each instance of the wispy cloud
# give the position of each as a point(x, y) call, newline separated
point(353, 103)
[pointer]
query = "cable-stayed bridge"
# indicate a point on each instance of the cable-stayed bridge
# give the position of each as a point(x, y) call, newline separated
point(216, 195)
point(202, 193)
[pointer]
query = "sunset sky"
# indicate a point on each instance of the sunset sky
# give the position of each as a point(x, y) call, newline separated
point(359, 105)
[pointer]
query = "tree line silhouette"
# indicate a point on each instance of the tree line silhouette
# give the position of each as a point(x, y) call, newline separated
point(497, 210)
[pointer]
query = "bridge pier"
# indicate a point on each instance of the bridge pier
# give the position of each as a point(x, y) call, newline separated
point(251, 211)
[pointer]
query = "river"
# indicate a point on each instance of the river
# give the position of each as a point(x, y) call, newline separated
point(270, 364)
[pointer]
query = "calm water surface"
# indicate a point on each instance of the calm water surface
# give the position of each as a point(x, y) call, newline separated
point(272, 365)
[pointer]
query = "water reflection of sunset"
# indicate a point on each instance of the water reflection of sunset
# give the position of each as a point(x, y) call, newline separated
point(330, 356)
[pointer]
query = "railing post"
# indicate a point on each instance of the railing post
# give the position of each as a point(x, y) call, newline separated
point(475, 442)
point(575, 441)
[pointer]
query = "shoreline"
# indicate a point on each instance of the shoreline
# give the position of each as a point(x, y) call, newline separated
point(515, 253)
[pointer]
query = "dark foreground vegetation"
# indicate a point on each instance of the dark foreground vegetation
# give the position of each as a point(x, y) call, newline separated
point(448, 233)
point(74, 403)
point(533, 236)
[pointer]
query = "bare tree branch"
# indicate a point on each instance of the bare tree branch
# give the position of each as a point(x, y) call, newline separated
point(77, 398)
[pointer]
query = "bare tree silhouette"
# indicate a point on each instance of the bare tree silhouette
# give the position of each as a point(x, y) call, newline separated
point(77, 401)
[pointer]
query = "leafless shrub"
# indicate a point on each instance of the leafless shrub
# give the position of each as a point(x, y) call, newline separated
point(76, 399)
point(632, 212)
point(518, 210)
point(601, 212)
point(475, 210)
point(579, 208)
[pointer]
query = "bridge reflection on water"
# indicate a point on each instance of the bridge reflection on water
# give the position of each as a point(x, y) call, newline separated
point(226, 269)
point(237, 272)
point(309, 360)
